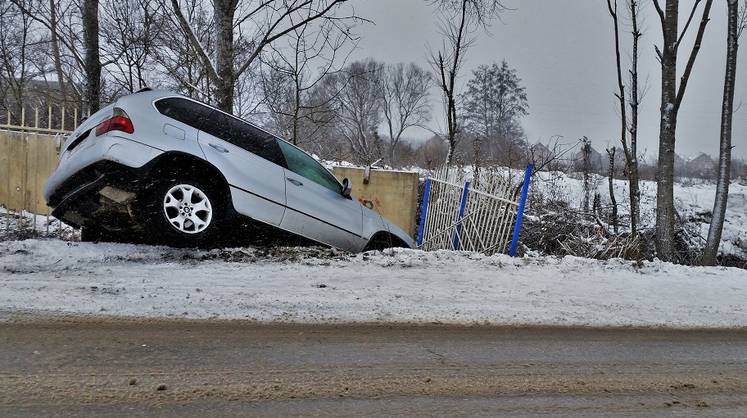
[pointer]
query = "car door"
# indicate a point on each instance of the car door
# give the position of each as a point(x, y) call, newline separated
point(316, 207)
point(251, 161)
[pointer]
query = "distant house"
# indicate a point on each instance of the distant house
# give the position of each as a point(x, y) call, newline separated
point(702, 166)
point(598, 163)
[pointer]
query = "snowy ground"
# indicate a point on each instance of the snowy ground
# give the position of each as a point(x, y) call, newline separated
point(319, 285)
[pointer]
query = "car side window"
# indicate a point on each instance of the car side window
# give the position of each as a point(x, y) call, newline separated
point(245, 136)
point(302, 164)
point(185, 111)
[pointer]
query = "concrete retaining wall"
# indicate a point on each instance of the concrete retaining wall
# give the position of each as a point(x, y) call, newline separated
point(393, 194)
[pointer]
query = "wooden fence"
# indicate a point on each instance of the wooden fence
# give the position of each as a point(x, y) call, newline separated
point(26, 160)
point(29, 147)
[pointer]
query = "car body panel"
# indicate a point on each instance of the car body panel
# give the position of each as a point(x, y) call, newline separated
point(321, 214)
point(257, 185)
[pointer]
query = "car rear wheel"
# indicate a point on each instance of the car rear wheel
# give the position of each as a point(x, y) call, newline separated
point(184, 212)
point(187, 209)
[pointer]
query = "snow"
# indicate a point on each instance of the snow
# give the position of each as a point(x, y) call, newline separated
point(24, 224)
point(399, 286)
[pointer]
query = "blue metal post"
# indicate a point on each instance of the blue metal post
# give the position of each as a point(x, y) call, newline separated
point(520, 212)
point(462, 206)
point(424, 211)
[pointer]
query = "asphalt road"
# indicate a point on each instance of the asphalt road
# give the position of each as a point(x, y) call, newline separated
point(131, 368)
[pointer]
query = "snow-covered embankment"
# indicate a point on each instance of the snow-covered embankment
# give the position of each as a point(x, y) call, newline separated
point(322, 286)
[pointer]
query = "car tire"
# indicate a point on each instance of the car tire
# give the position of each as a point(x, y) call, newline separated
point(91, 233)
point(184, 211)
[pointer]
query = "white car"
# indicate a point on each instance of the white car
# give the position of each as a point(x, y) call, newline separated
point(177, 171)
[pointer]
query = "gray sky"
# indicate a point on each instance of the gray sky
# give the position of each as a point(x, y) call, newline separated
point(563, 51)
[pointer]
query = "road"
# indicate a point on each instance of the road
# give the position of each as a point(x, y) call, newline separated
point(74, 367)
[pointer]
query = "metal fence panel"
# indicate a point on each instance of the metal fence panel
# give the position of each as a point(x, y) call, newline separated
point(458, 216)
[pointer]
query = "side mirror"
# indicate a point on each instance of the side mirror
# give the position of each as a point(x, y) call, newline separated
point(346, 188)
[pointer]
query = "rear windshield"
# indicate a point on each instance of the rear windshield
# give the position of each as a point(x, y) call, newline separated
point(186, 111)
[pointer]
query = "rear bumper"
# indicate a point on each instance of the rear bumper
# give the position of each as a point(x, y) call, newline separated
point(77, 200)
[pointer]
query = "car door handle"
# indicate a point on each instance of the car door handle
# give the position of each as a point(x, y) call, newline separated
point(218, 148)
point(294, 181)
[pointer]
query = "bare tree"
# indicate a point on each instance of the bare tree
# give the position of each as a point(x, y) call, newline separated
point(404, 95)
point(258, 24)
point(182, 68)
point(14, 47)
point(55, 45)
point(631, 154)
point(629, 149)
point(671, 100)
point(129, 30)
point(294, 69)
point(459, 20)
point(64, 22)
point(736, 24)
point(357, 107)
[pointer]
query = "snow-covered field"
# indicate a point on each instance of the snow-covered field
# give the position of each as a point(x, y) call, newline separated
point(319, 285)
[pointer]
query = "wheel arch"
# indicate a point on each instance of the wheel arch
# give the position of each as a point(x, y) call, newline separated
point(182, 163)
point(384, 239)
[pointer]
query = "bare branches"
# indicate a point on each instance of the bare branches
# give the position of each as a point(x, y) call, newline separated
point(689, 21)
point(39, 16)
point(293, 70)
point(275, 30)
point(193, 40)
point(694, 52)
point(660, 12)
point(742, 19)
point(404, 96)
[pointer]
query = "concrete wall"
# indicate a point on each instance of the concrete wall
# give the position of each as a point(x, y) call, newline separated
point(393, 194)
point(26, 160)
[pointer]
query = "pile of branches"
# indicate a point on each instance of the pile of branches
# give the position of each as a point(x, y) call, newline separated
point(561, 230)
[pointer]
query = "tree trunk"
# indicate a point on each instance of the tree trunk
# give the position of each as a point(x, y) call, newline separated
point(223, 12)
point(724, 162)
point(92, 60)
point(671, 99)
point(56, 49)
point(665, 245)
point(586, 168)
point(611, 178)
point(631, 157)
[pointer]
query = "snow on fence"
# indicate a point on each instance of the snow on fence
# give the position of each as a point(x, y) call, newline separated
point(455, 215)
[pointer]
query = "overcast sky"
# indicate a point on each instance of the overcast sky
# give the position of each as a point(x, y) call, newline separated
point(564, 52)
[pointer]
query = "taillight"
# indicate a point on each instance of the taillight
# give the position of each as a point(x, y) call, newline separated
point(118, 122)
